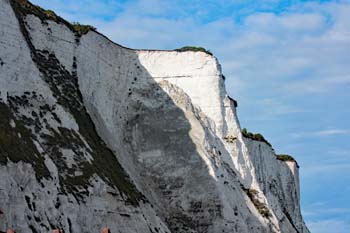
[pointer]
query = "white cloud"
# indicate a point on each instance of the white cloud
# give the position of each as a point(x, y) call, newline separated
point(332, 132)
point(302, 51)
point(318, 85)
point(321, 209)
point(82, 9)
point(294, 22)
point(339, 152)
point(329, 226)
point(322, 133)
point(311, 171)
point(278, 108)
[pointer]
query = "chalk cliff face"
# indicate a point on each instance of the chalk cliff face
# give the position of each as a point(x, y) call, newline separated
point(93, 135)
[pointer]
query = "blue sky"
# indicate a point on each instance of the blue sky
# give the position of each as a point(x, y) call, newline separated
point(286, 62)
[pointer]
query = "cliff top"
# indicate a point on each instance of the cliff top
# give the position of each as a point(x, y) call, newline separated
point(27, 7)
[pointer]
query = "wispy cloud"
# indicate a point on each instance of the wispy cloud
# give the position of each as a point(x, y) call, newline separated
point(306, 39)
point(327, 226)
point(332, 132)
point(277, 107)
point(318, 85)
point(321, 133)
point(335, 169)
point(320, 212)
point(339, 152)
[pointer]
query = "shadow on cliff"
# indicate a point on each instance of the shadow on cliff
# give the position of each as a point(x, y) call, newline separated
point(157, 135)
point(166, 158)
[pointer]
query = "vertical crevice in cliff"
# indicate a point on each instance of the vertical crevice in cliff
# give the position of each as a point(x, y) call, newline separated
point(285, 212)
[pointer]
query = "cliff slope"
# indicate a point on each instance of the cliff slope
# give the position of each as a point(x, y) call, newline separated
point(93, 134)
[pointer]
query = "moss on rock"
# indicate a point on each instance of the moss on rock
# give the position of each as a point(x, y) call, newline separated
point(26, 7)
point(257, 137)
point(194, 49)
point(260, 206)
point(16, 143)
point(65, 88)
point(286, 158)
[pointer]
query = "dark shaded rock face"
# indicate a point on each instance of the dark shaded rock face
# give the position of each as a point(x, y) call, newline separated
point(96, 137)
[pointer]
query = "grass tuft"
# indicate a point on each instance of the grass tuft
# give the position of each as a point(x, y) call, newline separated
point(27, 7)
point(286, 158)
point(81, 29)
point(253, 136)
point(194, 49)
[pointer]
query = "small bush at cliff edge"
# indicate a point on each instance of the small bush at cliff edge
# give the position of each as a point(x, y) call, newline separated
point(27, 7)
point(82, 29)
point(194, 49)
point(287, 158)
point(284, 157)
point(257, 137)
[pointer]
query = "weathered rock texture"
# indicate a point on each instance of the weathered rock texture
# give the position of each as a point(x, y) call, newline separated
point(94, 135)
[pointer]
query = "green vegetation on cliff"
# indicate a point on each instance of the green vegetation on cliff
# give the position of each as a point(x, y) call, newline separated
point(194, 49)
point(286, 158)
point(254, 136)
point(16, 140)
point(26, 7)
point(260, 206)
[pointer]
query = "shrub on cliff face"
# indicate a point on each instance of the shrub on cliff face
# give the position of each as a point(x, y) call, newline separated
point(81, 29)
point(257, 137)
point(194, 48)
point(50, 14)
point(284, 157)
point(37, 10)
point(25, 7)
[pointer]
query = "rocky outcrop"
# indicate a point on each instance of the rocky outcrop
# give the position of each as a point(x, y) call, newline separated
point(94, 135)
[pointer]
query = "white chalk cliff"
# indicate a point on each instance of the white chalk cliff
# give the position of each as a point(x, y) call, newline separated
point(93, 135)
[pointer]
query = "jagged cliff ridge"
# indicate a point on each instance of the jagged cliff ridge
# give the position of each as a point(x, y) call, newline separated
point(95, 135)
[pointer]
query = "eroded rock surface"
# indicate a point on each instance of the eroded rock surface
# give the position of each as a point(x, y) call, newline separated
point(96, 136)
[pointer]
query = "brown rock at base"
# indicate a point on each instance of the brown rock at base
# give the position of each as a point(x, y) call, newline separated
point(57, 231)
point(105, 230)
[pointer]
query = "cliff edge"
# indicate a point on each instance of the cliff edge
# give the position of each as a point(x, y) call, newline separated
point(93, 135)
